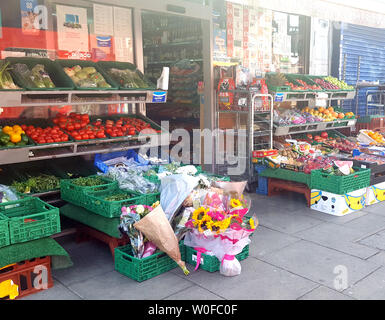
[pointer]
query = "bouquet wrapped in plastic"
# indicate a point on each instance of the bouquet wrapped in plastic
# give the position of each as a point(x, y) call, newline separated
point(220, 226)
point(156, 227)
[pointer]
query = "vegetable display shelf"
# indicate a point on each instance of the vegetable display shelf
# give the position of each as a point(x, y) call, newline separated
point(77, 148)
point(312, 127)
point(79, 97)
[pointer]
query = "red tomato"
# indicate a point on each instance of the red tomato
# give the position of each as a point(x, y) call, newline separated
point(49, 140)
point(78, 137)
point(41, 140)
point(85, 136)
point(113, 134)
point(91, 136)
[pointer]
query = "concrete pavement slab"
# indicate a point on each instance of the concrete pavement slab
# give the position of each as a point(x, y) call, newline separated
point(266, 240)
point(90, 259)
point(258, 281)
point(115, 286)
point(376, 240)
point(320, 264)
point(194, 293)
point(370, 288)
point(339, 238)
point(324, 293)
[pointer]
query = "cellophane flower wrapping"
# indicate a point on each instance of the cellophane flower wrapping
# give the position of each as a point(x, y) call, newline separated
point(131, 215)
point(221, 225)
point(156, 227)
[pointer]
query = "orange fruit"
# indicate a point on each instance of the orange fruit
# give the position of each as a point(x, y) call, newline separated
point(321, 109)
point(341, 116)
point(327, 112)
point(331, 109)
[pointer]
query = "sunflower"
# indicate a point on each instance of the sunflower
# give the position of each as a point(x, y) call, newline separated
point(252, 224)
point(235, 203)
point(198, 215)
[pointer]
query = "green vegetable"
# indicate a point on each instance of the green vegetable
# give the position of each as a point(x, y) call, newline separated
point(88, 181)
point(24, 138)
point(37, 184)
point(118, 197)
point(4, 138)
point(6, 81)
point(10, 144)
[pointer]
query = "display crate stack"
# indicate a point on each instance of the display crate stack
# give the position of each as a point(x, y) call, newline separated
point(22, 221)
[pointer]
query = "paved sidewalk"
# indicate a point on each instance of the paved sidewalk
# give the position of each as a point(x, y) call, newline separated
point(296, 253)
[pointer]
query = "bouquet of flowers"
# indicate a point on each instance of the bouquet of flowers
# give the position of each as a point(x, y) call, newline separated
point(131, 215)
point(221, 226)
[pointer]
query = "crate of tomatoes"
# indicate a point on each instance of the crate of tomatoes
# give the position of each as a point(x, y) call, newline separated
point(78, 126)
point(47, 135)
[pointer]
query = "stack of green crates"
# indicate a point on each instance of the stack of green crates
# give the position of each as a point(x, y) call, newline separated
point(27, 219)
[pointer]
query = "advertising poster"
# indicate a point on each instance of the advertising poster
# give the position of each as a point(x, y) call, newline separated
point(230, 26)
point(123, 38)
point(28, 17)
point(72, 28)
point(103, 20)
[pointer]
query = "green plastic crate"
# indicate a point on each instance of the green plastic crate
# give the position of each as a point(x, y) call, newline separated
point(290, 175)
point(146, 268)
point(30, 218)
point(107, 65)
point(4, 232)
point(77, 195)
point(340, 184)
point(95, 201)
point(210, 263)
point(83, 63)
point(56, 73)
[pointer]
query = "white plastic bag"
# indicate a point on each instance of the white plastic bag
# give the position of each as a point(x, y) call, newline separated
point(174, 189)
point(230, 266)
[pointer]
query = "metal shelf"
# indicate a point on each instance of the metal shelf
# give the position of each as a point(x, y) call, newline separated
point(311, 96)
point(71, 149)
point(311, 127)
point(79, 97)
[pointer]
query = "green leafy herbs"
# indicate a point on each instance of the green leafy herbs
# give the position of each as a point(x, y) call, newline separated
point(118, 197)
point(38, 184)
point(88, 181)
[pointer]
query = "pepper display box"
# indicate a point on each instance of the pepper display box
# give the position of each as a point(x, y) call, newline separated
point(336, 204)
point(376, 193)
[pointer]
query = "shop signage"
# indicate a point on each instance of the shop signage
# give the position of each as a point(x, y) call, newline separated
point(159, 96)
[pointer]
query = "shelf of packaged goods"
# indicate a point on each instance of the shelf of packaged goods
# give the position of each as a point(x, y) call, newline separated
point(310, 127)
point(79, 97)
point(308, 96)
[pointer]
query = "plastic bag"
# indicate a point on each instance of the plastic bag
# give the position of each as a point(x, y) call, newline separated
point(6, 194)
point(230, 266)
point(130, 178)
point(174, 190)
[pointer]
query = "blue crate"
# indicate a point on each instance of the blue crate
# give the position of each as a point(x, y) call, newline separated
point(101, 157)
point(262, 181)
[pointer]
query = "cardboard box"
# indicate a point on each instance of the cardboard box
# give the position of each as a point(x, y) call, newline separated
point(336, 204)
point(376, 194)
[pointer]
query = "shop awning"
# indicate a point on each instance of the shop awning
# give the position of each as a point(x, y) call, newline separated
point(370, 13)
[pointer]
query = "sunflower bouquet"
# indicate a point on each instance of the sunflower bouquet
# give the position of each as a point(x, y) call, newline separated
point(221, 226)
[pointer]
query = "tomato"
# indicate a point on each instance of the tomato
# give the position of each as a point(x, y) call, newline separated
point(100, 135)
point(113, 134)
point(64, 138)
point(41, 140)
point(53, 131)
point(91, 136)
point(78, 137)
point(50, 140)
point(85, 136)
point(131, 132)
point(77, 126)
point(324, 135)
